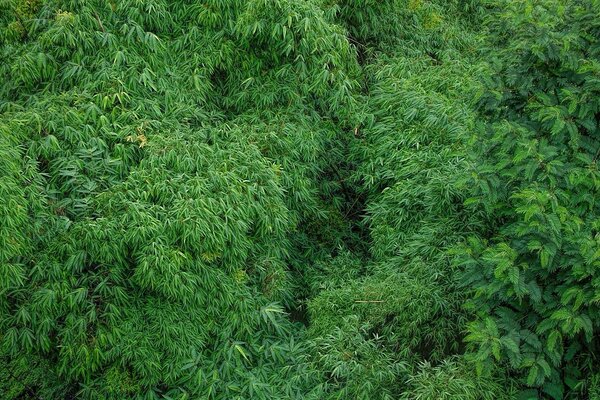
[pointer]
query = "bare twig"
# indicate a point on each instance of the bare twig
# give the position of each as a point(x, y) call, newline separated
point(99, 22)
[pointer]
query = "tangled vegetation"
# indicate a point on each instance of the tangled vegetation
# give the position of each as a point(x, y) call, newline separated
point(299, 199)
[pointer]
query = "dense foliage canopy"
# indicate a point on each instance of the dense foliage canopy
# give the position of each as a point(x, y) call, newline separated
point(299, 199)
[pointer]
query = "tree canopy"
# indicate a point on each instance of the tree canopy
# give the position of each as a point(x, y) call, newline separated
point(299, 199)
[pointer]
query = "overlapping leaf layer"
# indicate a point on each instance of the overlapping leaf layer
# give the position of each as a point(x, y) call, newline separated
point(299, 199)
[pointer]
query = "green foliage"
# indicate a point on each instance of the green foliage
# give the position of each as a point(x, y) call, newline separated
point(410, 153)
point(29, 377)
point(354, 364)
point(452, 379)
point(534, 268)
point(157, 160)
point(263, 199)
point(592, 385)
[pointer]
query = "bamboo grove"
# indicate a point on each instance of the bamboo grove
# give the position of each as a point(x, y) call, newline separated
point(299, 199)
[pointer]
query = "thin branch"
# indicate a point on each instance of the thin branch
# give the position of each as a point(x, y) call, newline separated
point(99, 22)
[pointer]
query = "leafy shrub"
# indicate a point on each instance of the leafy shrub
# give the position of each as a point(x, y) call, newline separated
point(295, 199)
point(533, 268)
point(147, 242)
point(452, 379)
